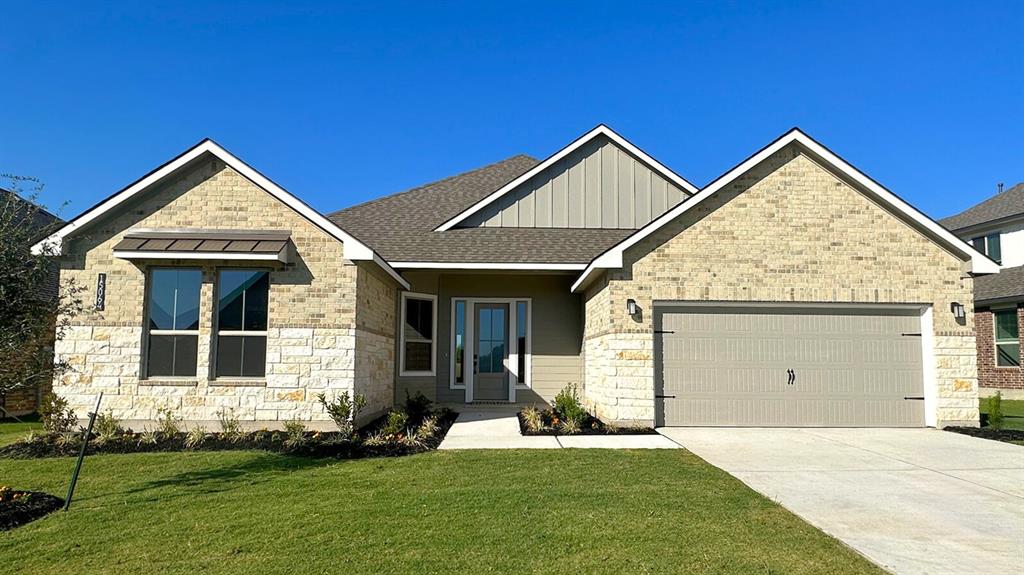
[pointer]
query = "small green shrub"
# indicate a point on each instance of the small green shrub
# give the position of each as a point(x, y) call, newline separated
point(414, 439)
point(68, 439)
point(343, 410)
point(569, 426)
point(995, 411)
point(534, 419)
point(568, 406)
point(295, 433)
point(417, 407)
point(167, 424)
point(149, 437)
point(195, 437)
point(395, 423)
point(107, 427)
point(376, 439)
point(230, 427)
point(55, 414)
point(429, 428)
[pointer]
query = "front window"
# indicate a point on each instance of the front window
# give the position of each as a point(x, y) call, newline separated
point(242, 301)
point(173, 344)
point(418, 323)
point(990, 246)
point(1007, 334)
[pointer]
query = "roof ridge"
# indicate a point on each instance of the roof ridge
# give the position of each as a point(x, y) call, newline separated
point(434, 183)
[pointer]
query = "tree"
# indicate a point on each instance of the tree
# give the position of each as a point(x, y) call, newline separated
point(35, 309)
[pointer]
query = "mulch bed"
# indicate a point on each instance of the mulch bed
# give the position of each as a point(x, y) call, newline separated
point(315, 444)
point(25, 507)
point(593, 426)
point(989, 433)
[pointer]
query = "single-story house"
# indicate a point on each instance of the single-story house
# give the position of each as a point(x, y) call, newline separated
point(793, 290)
point(995, 227)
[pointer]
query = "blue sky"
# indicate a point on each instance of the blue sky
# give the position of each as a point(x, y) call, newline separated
point(340, 103)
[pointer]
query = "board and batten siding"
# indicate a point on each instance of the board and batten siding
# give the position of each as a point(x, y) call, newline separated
point(600, 185)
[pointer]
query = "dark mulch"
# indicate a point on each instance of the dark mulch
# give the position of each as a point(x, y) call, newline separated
point(315, 444)
point(990, 433)
point(593, 426)
point(31, 505)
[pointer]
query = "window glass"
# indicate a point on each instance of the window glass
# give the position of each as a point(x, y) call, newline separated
point(1007, 332)
point(491, 339)
point(173, 338)
point(460, 342)
point(418, 335)
point(521, 325)
point(994, 249)
point(242, 303)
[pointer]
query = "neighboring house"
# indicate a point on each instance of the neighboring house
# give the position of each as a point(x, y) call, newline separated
point(25, 400)
point(792, 290)
point(996, 227)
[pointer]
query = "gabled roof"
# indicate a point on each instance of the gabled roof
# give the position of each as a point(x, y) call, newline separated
point(1001, 206)
point(612, 258)
point(401, 227)
point(600, 130)
point(353, 248)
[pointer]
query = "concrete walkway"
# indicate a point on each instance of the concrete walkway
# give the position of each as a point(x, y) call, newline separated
point(911, 500)
point(498, 428)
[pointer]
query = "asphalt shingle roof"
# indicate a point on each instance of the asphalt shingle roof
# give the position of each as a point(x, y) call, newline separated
point(400, 227)
point(1008, 283)
point(1009, 203)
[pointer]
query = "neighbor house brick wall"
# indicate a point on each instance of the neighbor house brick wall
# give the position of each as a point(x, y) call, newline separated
point(788, 231)
point(312, 332)
point(990, 376)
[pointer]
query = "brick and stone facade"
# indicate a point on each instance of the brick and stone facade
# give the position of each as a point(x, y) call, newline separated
point(991, 377)
point(321, 337)
point(787, 231)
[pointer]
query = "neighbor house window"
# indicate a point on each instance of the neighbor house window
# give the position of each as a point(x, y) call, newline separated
point(242, 298)
point(173, 322)
point(1007, 338)
point(990, 246)
point(418, 334)
point(459, 344)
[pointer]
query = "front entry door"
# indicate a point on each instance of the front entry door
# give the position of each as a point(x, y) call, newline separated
point(490, 381)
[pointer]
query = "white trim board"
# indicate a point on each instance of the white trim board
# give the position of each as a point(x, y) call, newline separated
point(612, 258)
point(486, 266)
point(353, 249)
point(599, 130)
point(225, 256)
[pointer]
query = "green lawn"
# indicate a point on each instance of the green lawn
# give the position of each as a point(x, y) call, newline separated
point(559, 511)
point(11, 431)
point(1013, 412)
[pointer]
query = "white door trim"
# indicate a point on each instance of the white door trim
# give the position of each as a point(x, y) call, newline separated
point(512, 363)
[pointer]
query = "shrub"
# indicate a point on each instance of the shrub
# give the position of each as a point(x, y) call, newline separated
point(195, 437)
point(295, 432)
point(429, 428)
point(567, 405)
point(149, 437)
point(343, 410)
point(107, 427)
point(395, 423)
point(569, 426)
point(230, 427)
point(376, 438)
point(167, 424)
point(55, 414)
point(995, 411)
point(417, 407)
point(414, 439)
point(67, 439)
point(534, 419)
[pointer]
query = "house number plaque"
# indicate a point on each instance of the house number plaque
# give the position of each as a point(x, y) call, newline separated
point(101, 291)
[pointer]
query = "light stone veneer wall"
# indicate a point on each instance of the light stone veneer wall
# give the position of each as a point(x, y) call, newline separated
point(788, 231)
point(320, 338)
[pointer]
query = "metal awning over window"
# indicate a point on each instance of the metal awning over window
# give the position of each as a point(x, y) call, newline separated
point(197, 244)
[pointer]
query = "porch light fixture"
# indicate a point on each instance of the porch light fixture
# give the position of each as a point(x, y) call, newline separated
point(631, 306)
point(958, 310)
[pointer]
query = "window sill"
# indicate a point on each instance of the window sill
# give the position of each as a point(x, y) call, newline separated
point(416, 374)
point(238, 383)
point(169, 382)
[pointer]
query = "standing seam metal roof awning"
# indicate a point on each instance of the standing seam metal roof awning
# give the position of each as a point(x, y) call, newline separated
point(239, 245)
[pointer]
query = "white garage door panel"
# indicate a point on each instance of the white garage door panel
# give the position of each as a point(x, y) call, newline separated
point(729, 366)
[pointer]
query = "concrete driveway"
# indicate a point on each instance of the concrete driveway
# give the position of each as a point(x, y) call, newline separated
point(911, 500)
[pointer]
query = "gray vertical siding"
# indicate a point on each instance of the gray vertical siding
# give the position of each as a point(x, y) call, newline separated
point(557, 330)
point(597, 186)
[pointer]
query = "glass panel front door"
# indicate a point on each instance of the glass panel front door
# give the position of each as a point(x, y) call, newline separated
point(490, 381)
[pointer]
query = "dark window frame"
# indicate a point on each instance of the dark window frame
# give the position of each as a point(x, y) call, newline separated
point(243, 333)
point(404, 339)
point(150, 332)
point(997, 342)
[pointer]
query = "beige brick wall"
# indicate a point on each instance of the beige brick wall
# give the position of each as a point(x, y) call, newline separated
point(313, 328)
point(788, 231)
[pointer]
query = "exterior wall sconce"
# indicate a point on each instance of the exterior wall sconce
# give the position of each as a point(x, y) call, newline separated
point(631, 306)
point(959, 312)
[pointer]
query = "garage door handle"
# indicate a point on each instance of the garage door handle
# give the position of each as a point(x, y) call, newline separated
point(917, 397)
point(792, 377)
point(665, 397)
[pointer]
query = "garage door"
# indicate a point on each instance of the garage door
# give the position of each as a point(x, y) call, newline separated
point(772, 366)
